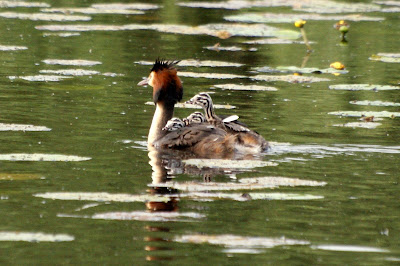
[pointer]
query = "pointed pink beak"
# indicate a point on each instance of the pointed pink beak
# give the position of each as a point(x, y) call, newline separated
point(144, 82)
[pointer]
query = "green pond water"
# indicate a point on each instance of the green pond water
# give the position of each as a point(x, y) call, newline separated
point(78, 185)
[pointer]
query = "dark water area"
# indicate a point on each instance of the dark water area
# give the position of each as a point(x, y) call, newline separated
point(79, 186)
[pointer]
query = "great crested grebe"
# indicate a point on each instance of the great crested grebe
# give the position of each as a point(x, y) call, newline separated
point(203, 139)
point(175, 123)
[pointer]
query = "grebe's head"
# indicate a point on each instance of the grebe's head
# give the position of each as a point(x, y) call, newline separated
point(174, 124)
point(194, 118)
point(202, 99)
point(167, 86)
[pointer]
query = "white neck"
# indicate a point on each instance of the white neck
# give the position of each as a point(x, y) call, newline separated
point(162, 114)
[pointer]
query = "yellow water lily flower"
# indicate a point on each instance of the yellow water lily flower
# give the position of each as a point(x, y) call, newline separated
point(300, 23)
point(337, 65)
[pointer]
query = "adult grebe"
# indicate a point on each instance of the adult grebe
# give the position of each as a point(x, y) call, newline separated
point(203, 139)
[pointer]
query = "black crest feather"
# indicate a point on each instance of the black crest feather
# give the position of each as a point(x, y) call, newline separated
point(161, 64)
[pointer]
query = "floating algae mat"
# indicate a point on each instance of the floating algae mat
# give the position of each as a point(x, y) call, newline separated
point(289, 78)
point(41, 78)
point(39, 157)
point(34, 237)
point(198, 63)
point(366, 113)
point(73, 62)
point(233, 164)
point(193, 106)
point(101, 197)
point(245, 87)
point(21, 127)
point(303, 70)
point(12, 48)
point(248, 196)
point(44, 17)
point(375, 103)
point(368, 125)
point(363, 87)
point(92, 11)
point(210, 75)
point(10, 176)
point(243, 184)
point(386, 58)
point(71, 72)
point(141, 216)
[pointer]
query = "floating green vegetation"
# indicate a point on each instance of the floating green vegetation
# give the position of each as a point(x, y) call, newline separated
point(92, 11)
point(289, 78)
point(301, 70)
point(5, 4)
point(40, 78)
point(43, 17)
point(38, 157)
point(9, 176)
point(368, 125)
point(120, 6)
point(291, 18)
point(239, 241)
point(210, 75)
point(34, 237)
point(71, 72)
point(74, 62)
point(324, 6)
point(197, 63)
point(21, 127)
point(229, 48)
point(348, 248)
point(386, 57)
point(12, 48)
point(245, 87)
point(221, 163)
point(220, 5)
point(366, 114)
point(243, 184)
point(222, 31)
point(375, 103)
point(101, 197)
point(207, 196)
point(142, 216)
point(363, 87)
point(193, 106)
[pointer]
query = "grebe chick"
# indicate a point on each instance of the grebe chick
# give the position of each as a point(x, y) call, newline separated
point(245, 136)
point(203, 139)
point(173, 124)
point(204, 100)
point(194, 118)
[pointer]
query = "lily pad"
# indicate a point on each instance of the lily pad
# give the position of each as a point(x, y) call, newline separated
point(386, 58)
point(74, 62)
point(34, 237)
point(21, 127)
point(348, 248)
point(229, 48)
point(239, 241)
point(119, 6)
point(366, 113)
point(44, 17)
point(92, 11)
point(5, 4)
point(321, 6)
point(71, 72)
point(289, 78)
point(368, 125)
point(40, 78)
point(363, 87)
point(302, 70)
point(193, 106)
point(249, 196)
point(38, 157)
point(245, 87)
point(9, 176)
point(219, 5)
point(12, 48)
point(101, 197)
point(291, 18)
point(375, 103)
point(221, 163)
point(197, 63)
point(210, 75)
